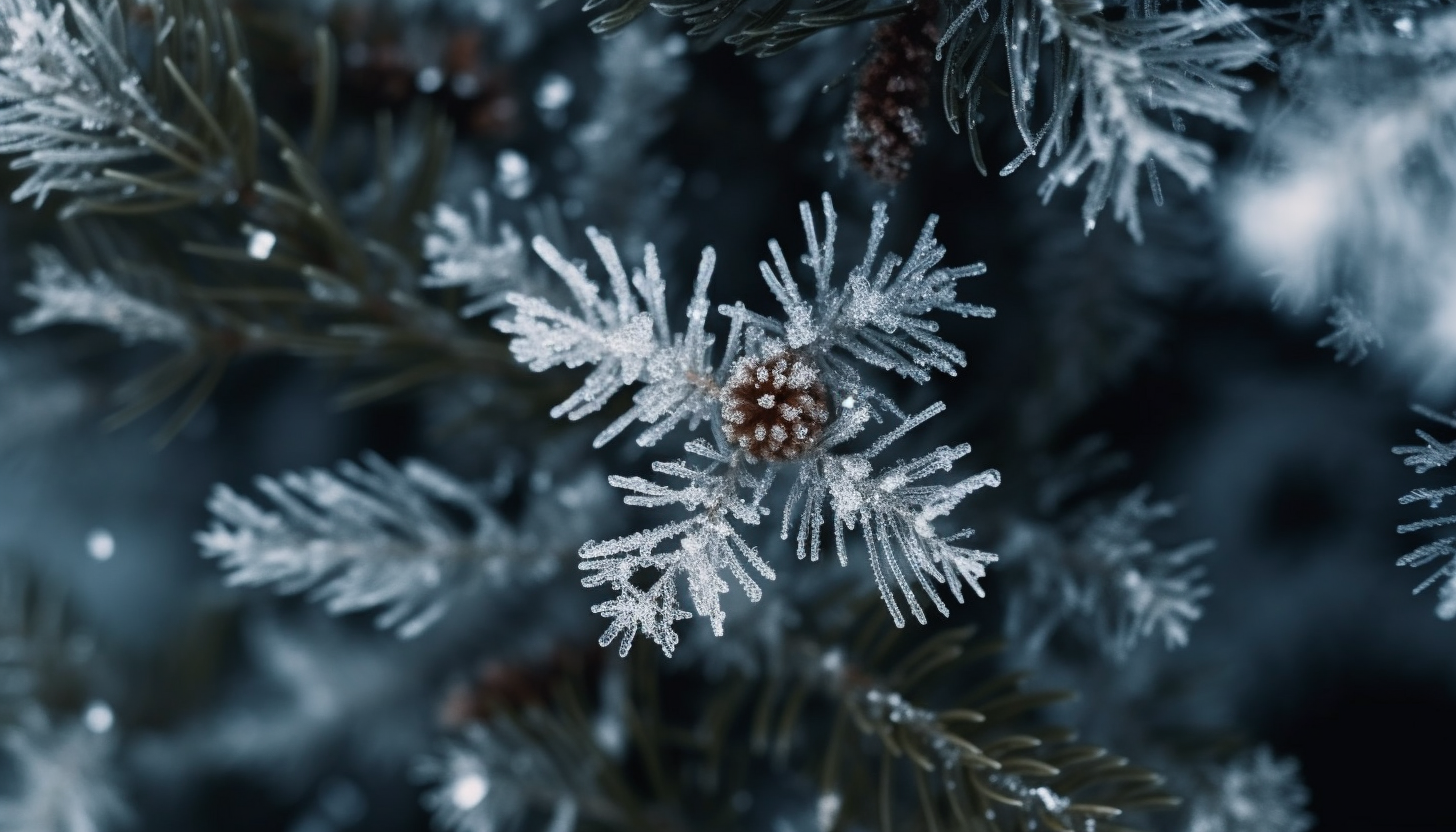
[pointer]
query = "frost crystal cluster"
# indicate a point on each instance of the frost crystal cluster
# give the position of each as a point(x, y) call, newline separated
point(786, 393)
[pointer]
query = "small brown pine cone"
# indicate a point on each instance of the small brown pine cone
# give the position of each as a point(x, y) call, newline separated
point(882, 130)
point(775, 408)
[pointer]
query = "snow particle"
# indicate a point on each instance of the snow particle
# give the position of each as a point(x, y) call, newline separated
point(429, 80)
point(468, 791)
point(555, 92)
point(261, 243)
point(100, 544)
point(99, 718)
point(513, 174)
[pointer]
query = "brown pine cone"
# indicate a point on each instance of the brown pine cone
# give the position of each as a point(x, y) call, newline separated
point(775, 408)
point(882, 130)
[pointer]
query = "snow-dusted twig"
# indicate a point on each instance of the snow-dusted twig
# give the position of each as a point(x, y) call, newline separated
point(893, 516)
point(1433, 454)
point(1111, 77)
point(65, 778)
point(707, 544)
point(628, 339)
point(368, 536)
point(469, 252)
point(878, 315)
point(63, 295)
point(76, 110)
point(1105, 569)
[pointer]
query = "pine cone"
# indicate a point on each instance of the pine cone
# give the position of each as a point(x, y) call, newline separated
point(775, 408)
point(882, 130)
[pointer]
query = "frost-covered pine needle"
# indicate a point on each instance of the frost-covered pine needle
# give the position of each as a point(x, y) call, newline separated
point(368, 536)
point(63, 295)
point(1433, 454)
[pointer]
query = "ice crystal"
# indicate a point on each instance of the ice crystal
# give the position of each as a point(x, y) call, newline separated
point(1433, 454)
point(63, 295)
point(368, 536)
point(1105, 570)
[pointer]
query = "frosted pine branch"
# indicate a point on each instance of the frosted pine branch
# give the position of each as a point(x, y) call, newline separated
point(74, 106)
point(878, 315)
point(63, 295)
point(786, 392)
point(64, 778)
point(1254, 792)
point(1433, 454)
point(369, 536)
point(1106, 571)
point(1123, 71)
point(468, 252)
point(707, 545)
point(893, 516)
point(628, 339)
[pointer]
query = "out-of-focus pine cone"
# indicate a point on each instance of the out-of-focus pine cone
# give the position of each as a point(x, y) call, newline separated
point(775, 408)
point(882, 130)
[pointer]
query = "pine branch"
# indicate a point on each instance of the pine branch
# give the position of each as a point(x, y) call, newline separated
point(1433, 454)
point(371, 536)
point(769, 401)
point(1122, 72)
point(278, 268)
point(892, 735)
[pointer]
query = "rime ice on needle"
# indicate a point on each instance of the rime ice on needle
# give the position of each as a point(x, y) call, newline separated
point(875, 318)
point(1108, 575)
point(628, 339)
point(64, 295)
point(371, 535)
point(1124, 71)
point(466, 251)
point(1433, 454)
